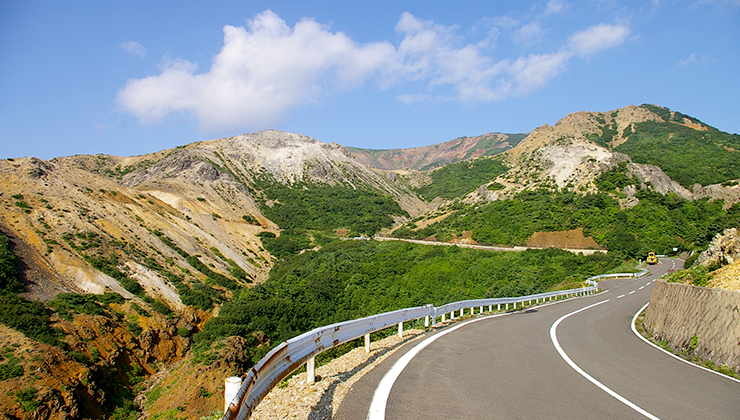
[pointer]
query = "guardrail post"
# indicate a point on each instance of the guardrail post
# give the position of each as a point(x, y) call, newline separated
point(490, 308)
point(400, 330)
point(498, 308)
point(507, 306)
point(443, 318)
point(367, 343)
point(231, 388)
point(426, 321)
point(481, 309)
point(472, 310)
point(311, 371)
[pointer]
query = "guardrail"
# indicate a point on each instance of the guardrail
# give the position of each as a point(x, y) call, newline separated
point(593, 280)
point(241, 398)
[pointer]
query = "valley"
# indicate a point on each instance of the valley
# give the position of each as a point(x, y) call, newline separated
point(131, 286)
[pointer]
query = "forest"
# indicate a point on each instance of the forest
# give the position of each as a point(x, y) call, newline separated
point(658, 223)
point(351, 279)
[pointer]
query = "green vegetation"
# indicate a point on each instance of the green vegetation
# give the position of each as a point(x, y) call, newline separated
point(460, 178)
point(12, 368)
point(28, 398)
point(196, 294)
point(67, 304)
point(659, 223)
point(685, 154)
point(8, 280)
point(109, 266)
point(289, 243)
point(16, 312)
point(350, 279)
point(325, 208)
point(697, 276)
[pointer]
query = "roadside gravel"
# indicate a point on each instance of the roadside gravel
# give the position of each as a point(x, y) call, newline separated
point(334, 380)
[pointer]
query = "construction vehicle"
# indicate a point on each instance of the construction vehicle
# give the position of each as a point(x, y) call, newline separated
point(651, 258)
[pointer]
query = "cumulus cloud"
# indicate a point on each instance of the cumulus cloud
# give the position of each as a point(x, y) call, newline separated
point(598, 38)
point(260, 73)
point(134, 48)
point(268, 68)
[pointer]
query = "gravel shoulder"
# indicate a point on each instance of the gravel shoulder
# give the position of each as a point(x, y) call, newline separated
point(334, 380)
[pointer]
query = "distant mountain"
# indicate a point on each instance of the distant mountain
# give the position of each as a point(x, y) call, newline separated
point(434, 156)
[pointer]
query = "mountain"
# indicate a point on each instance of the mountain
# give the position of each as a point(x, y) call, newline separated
point(132, 256)
point(578, 149)
point(434, 156)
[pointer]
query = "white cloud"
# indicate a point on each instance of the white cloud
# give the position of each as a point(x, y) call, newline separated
point(268, 68)
point(258, 75)
point(598, 38)
point(134, 48)
point(529, 34)
point(691, 59)
point(555, 6)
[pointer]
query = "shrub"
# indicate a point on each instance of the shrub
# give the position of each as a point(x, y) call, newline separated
point(28, 399)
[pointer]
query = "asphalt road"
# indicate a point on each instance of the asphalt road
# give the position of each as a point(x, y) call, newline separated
point(508, 367)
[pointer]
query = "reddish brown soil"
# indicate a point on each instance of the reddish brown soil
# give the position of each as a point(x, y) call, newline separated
point(570, 239)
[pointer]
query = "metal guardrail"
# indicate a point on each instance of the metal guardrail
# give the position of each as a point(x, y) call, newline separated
point(290, 355)
point(471, 304)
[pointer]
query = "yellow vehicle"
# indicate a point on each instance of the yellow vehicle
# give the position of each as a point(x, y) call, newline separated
point(651, 258)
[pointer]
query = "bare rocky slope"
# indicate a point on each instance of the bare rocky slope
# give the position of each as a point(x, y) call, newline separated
point(565, 157)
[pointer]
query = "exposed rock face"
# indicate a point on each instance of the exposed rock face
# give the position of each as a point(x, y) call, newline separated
point(731, 194)
point(563, 157)
point(724, 249)
point(107, 355)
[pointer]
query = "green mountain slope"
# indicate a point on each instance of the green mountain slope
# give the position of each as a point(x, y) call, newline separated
point(687, 150)
point(457, 179)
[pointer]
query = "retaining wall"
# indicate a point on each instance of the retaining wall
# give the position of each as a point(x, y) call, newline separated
point(679, 312)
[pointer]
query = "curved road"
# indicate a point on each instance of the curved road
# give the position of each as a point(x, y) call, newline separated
point(508, 367)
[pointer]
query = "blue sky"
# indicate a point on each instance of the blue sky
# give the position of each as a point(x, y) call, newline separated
point(134, 77)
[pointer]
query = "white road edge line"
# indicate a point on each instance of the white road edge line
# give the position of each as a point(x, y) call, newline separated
point(634, 330)
point(554, 337)
point(383, 391)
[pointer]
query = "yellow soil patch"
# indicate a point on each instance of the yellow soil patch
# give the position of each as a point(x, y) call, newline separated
point(727, 277)
point(421, 224)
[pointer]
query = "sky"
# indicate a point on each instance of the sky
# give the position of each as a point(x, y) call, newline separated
point(133, 77)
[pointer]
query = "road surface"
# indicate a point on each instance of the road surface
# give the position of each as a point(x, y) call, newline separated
point(509, 367)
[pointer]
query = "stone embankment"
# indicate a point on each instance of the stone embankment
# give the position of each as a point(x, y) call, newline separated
point(697, 321)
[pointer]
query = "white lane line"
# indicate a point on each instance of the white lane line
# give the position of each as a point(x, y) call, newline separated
point(632, 292)
point(383, 391)
point(620, 296)
point(554, 338)
point(642, 287)
point(634, 330)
